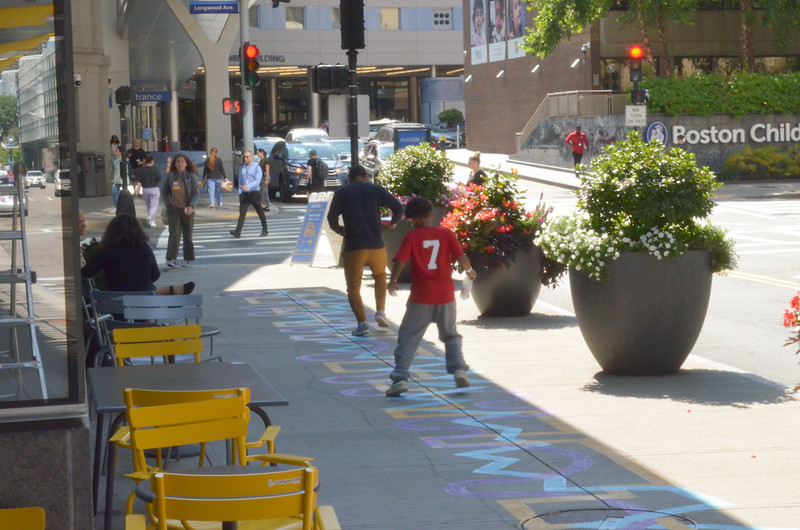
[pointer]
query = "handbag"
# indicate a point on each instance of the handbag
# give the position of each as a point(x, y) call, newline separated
point(226, 185)
point(202, 184)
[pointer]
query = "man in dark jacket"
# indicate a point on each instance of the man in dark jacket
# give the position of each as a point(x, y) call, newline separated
point(359, 204)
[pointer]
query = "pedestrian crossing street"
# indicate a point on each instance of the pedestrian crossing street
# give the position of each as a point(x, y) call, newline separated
point(214, 244)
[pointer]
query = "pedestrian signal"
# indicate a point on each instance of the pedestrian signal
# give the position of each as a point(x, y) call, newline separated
point(231, 106)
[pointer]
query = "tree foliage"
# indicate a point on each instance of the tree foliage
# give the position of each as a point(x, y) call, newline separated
point(8, 116)
point(451, 116)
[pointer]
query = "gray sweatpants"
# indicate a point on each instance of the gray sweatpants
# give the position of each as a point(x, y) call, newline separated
point(415, 322)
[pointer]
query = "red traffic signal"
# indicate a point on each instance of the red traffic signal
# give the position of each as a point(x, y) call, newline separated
point(250, 64)
point(231, 106)
point(635, 53)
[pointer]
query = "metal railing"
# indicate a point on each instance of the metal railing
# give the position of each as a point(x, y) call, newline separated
point(570, 104)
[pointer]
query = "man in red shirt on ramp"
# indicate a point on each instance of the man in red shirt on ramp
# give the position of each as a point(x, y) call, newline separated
point(579, 142)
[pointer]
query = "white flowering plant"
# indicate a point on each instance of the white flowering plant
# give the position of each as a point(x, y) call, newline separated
point(638, 198)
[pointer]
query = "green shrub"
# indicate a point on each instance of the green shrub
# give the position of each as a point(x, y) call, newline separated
point(418, 170)
point(638, 198)
point(451, 116)
point(762, 163)
point(739, 94)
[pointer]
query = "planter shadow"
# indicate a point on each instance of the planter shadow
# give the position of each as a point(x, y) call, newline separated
point(532, 321)
point(699, 387)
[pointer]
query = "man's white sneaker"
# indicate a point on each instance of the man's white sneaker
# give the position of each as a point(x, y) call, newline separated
point(361, 330)
point(172, 263)
point(397, 388)
point(380, 318)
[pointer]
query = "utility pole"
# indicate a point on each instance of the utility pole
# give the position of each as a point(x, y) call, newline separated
point(352, 22)
point(247, 93)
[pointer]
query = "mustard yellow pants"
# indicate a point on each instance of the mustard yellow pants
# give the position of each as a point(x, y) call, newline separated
point(354, 262)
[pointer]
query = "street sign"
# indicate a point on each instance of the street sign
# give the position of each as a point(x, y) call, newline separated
point(635, 115)
point(221, 7)
point(310, 232)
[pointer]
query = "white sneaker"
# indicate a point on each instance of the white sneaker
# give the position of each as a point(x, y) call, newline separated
point(460, 376)
point(361, 330)
point(397, 388)
point(188, 263)
point(172, 263)
point(380, 318)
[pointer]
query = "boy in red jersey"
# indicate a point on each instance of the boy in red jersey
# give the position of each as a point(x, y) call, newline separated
point(431, 250)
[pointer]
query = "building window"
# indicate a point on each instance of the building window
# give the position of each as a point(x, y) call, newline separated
point(294, 18)
point(337, 18)
point(252, 16)
point(390, 18)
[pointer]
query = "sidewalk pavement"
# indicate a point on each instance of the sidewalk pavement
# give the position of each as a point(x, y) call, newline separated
point(540, 440)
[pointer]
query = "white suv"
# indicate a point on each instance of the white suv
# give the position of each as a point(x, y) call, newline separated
point(34, 177)
point(63, 182)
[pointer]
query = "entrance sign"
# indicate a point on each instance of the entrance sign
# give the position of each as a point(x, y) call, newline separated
point(313, 223)
point(635, 115)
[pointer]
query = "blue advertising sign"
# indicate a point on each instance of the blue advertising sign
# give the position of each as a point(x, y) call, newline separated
point(152, 96)
point(657, 132)
point(310, 232)
point(217, 7)
point(406, 137)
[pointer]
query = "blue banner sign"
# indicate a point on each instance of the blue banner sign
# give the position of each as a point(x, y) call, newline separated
point(153, 96)
point(406, 137)
point(313, 222)
point(223, 7)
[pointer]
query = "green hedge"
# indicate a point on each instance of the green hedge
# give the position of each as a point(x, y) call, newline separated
point(740, 94)
point(762, 163)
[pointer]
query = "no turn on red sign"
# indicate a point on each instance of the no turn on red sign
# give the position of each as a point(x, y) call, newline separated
point(635, 115)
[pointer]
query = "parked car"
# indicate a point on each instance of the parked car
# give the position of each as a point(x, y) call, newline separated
point(263, 142)
point(34, 177)
point(443, 139)
point(374, 125)
point(7, 193)
point(63, 183)
point(306, 134)
point(373, 156)
point(342, 148)
point(404, 134)
point(287, 167)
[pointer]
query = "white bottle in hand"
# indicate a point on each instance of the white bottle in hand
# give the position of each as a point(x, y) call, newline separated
point(466, 287)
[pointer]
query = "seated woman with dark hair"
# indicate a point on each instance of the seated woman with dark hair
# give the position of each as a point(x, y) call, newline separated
point(128, 261)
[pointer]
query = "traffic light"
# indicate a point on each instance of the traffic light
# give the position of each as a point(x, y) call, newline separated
point(250, 64)
point(351, 13)
point(329, 78)
point(635, 54)
point(123, 95)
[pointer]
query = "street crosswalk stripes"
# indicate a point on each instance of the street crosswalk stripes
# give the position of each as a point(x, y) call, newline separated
point(214, 243)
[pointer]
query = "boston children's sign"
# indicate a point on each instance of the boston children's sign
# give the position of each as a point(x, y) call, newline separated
point(756, 133)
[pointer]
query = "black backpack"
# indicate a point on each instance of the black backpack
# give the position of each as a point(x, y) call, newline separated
point(319, 174)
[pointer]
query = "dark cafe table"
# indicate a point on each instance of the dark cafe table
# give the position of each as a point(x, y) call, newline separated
point(107, 384)
point(144, 490)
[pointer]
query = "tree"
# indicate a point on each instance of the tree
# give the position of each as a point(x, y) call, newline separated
point(451, 117)
point(783, 17)
point(8, 116)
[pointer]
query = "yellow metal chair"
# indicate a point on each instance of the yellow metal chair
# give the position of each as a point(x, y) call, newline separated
point(157, 341)
point(159, 419)
point(270, 500)
point(30, 518)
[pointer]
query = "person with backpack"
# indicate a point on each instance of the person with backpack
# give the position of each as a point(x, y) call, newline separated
point(316, 172)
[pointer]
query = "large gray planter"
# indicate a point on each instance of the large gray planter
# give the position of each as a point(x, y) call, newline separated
point(511, 291)
point(392, 237)
point(645, 318)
